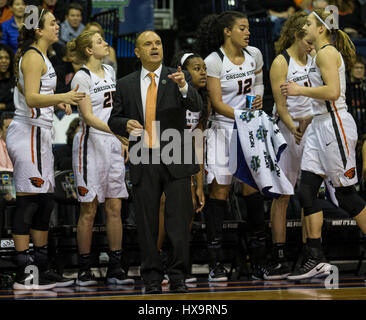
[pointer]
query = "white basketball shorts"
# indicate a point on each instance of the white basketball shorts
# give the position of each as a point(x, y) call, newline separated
point(98, 166)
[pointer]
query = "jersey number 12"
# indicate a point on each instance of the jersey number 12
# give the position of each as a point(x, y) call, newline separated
point(247, 86)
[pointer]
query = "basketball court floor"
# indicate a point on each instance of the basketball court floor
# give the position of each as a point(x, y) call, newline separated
point(349, 288)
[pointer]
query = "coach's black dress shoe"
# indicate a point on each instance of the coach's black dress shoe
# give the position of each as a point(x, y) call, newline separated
point(152, 287)
point(178, 286)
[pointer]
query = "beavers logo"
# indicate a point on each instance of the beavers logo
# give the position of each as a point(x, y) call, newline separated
point(83, 191)
point(350, 173)
point(37, 182)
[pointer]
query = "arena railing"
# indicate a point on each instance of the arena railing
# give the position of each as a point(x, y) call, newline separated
point(109, 20)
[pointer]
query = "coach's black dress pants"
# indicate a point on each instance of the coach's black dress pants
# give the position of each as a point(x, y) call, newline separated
point(156, 179)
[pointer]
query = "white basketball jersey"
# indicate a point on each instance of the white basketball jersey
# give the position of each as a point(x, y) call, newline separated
point(324, 106)
point(192, 119)
point(236, 80)
point(100, 90)
point(298, 106)
point(36, 116)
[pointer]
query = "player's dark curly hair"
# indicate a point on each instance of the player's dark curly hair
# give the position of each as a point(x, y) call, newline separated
point(210, 32)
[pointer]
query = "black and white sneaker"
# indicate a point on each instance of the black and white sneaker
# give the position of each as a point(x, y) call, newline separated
point(27, 281)
point(86, 278)
point(118, 277)
point(218, 273)
point(61, 282)
point(313, 265)
point(278, 271)
point(260, 272)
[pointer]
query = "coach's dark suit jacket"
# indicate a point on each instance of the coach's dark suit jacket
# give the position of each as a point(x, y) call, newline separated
point(170, 111)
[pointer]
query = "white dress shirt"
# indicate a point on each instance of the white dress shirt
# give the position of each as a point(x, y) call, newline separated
point(145, 83)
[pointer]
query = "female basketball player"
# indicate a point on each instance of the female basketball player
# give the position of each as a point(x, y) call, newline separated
point(193, 63)
point(29, 144)
point(292, 64)
point(331, 141)
point(234, 70)
point(98, 162)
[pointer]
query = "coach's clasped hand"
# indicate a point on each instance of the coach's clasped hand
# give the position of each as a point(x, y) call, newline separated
point(134, 128)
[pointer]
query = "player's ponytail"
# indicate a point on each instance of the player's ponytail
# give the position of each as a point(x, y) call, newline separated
point(346, 47)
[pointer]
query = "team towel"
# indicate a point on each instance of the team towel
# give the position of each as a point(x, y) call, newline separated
point(255, 149)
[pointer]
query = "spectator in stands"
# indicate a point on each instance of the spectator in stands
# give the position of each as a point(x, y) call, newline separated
point(10, 27)
point(305, 5)
point(5, 12)
point(357, 73)
point(309, 5)
point(63, 154)
point(56, 7)
point(356, 94)
point(320, 4)
point(350, 17)
point(72, 26)
point(7, 80)
point(279, 11)
point(111, 59)
point(65, 71)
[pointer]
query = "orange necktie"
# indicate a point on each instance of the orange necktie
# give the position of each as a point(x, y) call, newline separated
point(150, 111)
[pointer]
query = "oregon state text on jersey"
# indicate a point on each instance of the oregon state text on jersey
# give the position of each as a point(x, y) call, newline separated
point(100, 90)
point(236, 80)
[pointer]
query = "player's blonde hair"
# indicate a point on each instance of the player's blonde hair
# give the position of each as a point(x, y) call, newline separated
point(79, 44)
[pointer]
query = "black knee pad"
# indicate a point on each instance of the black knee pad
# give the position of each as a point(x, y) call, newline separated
point(255, 212)
point(214, 218)
point(309, 187)
point(349, 200)
point(26, 208)
point(41, 219)
point(257, 239)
